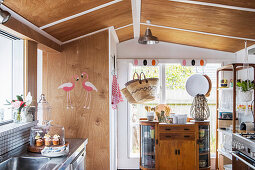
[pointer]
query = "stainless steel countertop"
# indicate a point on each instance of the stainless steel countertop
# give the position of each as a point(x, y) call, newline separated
point(75, 147)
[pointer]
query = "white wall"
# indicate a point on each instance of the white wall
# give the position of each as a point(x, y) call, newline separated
point(113, 40)
point(165, 52)
point(131, 49)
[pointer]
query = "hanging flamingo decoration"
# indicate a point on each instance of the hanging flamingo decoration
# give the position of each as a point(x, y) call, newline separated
point(68, 87)
point(89, 87)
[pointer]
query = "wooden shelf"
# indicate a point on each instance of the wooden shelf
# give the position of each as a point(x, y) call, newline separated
point(226, 88)
point(204, 153)
point(209, 167)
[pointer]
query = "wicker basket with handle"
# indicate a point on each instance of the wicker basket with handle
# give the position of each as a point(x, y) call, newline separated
point(128, 96)
point(143, 90)
point(125, 91)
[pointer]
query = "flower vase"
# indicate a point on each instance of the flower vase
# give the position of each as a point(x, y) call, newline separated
point(245, 96)
point(16, 116)
point(25, 115)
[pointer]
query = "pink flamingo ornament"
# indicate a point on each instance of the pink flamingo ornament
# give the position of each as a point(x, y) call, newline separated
point(68, 87)
point(89, 87)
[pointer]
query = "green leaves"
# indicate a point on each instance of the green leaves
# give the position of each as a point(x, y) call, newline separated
point(246, 85)
point(19, 98)
point(176, 76)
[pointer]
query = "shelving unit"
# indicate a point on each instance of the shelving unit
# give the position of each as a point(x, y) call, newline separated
point(235, 67)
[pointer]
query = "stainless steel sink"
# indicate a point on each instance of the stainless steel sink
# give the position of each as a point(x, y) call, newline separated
point(24, 163)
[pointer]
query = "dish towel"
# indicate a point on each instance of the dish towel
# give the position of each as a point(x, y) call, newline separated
point(116, 94)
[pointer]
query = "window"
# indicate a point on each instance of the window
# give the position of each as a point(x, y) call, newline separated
point(173, 93)
point(11, 73)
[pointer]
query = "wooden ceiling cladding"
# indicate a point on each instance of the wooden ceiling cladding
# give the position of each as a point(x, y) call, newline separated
point(117, 15)
point(196, 39)
point(237, 3)
point(42, 12)
point(199, 18)
point(125, 34)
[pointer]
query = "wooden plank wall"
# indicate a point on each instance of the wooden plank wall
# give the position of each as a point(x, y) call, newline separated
point(31, 69)
point(90, 54)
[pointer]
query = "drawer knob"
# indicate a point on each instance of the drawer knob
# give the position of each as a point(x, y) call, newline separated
point(168, 136)
point(186, 136)
point(167, 129)
point(186, 129)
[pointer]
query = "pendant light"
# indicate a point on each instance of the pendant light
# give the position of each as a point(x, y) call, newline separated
point(148, 38)
point(4, 15)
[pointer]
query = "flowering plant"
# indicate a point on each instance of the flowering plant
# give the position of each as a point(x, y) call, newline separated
point(20, 103)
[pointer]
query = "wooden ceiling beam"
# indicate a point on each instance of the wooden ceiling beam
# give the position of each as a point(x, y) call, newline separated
point(215, 5)
point(136, 15)
point(23, 31)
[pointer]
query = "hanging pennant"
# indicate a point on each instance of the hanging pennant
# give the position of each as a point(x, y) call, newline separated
point(145, 62)
point(193, 62)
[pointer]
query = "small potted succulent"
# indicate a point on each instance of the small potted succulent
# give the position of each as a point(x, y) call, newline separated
point(245, 90)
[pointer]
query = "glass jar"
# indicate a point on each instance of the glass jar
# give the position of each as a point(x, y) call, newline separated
point(43, 111)
point(47, 135)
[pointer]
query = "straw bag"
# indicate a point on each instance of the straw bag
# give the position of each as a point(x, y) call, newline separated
point(128, 96)
point(143, 90)
point(126, 93)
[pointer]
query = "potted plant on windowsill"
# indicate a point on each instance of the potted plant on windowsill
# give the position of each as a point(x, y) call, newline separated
point(245, 90)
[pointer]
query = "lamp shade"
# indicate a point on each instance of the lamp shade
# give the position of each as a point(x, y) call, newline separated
point(4, 16)
point(148, 38)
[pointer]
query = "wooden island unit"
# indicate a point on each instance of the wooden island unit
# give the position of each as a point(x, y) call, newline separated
point(174, 146)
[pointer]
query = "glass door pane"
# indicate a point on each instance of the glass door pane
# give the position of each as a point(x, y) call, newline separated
point(148, 146)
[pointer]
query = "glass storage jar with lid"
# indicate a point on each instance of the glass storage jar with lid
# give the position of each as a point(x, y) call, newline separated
point(46, 133)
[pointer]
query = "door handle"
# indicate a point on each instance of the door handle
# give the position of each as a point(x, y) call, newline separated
point(179, 151)
point(175, 152)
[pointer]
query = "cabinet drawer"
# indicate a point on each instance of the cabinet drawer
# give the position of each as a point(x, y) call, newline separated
point(169, 128)
point(176, 136)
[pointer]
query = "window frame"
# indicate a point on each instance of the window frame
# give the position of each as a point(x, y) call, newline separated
point(17, 50)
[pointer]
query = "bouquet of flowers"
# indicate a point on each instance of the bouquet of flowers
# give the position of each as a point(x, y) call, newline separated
point(21, 105)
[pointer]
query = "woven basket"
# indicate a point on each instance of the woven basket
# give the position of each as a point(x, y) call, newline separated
point(143, 90)
point(128, 96)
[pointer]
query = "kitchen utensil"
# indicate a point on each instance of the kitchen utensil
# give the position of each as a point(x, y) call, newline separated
point(197, 84)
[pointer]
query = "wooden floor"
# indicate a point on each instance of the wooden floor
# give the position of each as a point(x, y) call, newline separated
point(212, 165)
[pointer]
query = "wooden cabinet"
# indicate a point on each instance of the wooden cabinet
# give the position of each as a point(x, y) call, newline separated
point(168, 155)
point(176, 147)
point(186, 155)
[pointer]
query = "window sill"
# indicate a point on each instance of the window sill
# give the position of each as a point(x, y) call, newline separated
point(13, 127)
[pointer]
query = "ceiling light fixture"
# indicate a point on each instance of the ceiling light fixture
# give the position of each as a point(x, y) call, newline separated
point(148, 38)
point(4, 15)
